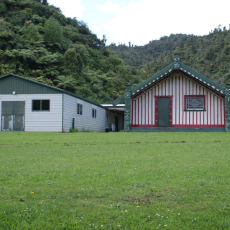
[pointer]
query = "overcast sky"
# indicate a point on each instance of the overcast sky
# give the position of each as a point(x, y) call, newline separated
point(141, 21)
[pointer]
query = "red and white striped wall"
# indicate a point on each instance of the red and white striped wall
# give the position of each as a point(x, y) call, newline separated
point(144, 110)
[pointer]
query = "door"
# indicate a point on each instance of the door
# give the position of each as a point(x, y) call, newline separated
point(13, 115)
point(163, 111)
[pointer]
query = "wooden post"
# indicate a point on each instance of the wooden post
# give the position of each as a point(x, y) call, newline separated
point(127, 107)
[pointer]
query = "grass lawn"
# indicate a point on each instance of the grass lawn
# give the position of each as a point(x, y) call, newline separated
point(114, 180)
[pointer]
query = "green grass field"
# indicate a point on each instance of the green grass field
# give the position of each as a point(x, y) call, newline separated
point(114, 181)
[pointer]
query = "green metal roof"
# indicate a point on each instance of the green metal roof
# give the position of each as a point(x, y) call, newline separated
point(176, 66)
point(12, 82)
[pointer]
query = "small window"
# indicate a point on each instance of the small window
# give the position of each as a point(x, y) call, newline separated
point(40, 105)
point(79, 108)
point(94, 113)
point(194, 103)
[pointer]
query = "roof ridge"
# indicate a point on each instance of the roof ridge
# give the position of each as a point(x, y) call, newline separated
point(151, 79)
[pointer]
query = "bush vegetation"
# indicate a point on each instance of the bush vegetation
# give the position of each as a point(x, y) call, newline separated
point(37, 41)
point(209, 54)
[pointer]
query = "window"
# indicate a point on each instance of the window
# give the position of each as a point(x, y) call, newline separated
point(194, 103)
point(40, 105)
point(79, 108)
point(94, 113)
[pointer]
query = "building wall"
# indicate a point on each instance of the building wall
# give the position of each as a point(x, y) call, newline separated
point(39, 121)
point(177, 86)
point(84, 121)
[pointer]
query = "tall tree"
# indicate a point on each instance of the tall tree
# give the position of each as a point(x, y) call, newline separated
point(45, 2)
point(53, 31)
point(73, 61)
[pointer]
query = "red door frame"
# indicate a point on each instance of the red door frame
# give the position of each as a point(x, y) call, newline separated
point(156, 109)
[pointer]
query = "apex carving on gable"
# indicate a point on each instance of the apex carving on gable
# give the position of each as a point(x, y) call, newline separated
point(176, 61)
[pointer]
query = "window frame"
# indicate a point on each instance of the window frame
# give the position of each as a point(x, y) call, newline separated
point(79, 109)
point(194, 109)
point(40, 110)
point(94, 113)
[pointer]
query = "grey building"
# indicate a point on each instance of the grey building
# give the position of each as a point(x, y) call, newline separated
point(27, 105)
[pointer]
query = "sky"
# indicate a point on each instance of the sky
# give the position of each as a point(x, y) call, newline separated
point(141, 21)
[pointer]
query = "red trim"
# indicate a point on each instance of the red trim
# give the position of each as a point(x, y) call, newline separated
point(156, 109)
point(185, 114)
point(189, 113)
point(184, 126)
point(221, 115)
point(208, 114)
point(145, 110)
point(217, 110)
point(141, 110)
point(143, 126)
point(137, 110)
point(132, 112)
point(182, 121)
point(198, 126)
point(148, 107)
point(210, 109)
point(213, 110)
point(179, 98)
point(205, 107)
point(224, 111)
point(175, 100)
point(151, 114)
point(172, 91)
point(196, 113)
point(203, 112)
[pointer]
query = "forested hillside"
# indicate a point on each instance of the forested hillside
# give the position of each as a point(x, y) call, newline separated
point(38, 42)
point(209, 55)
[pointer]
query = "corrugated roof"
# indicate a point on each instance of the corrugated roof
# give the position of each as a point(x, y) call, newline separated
point(49, 89)
point(175, 66)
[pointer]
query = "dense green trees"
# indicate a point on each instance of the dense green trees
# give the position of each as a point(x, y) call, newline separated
point(37, 41)
point(209, 55)
point(53, 32)
point(73, 61)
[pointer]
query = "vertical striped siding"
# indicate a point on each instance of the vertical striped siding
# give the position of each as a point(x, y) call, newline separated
point(143, 107)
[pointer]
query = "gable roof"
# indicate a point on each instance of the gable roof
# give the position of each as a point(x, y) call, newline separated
point(174, 67)
point(37, 88)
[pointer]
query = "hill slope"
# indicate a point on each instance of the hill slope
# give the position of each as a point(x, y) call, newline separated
point(209, 55)
point(37, 41)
